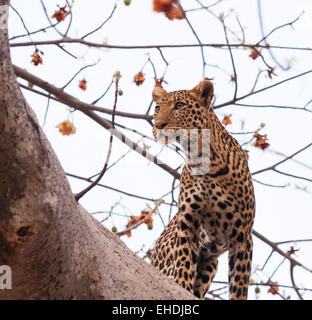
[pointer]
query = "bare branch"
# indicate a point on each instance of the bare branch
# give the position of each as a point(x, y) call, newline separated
point(79, 195)
point(98, 28)
point(275, 247)
point(84, 107)
point(157, 46)
point(273, 167)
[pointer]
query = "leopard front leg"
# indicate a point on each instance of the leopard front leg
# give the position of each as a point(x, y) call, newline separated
point(187, 253)
point(175, 254)
point(240, 259)
point(185, 262)
point(206, 270)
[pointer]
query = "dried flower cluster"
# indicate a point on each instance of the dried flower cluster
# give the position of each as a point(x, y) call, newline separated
point(66, 128)
point(261, 141)
point(169, 8)
point(60, 14)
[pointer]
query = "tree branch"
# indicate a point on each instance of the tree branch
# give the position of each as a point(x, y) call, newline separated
point(84, 108)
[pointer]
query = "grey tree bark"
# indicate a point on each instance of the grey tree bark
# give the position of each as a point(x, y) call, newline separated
point(56, 249)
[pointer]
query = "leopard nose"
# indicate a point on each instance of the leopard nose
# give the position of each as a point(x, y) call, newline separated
point(160, 124)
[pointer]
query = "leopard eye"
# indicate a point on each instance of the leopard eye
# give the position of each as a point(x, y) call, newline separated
point(157, 108)
point(178, 105)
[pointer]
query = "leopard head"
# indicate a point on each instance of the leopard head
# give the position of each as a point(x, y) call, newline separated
point(183, 109)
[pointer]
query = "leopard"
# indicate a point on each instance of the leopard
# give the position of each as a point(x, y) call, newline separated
point(216, 205)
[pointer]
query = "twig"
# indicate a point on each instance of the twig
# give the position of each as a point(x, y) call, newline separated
point(134, 226)
point(264, 37)
point(92, 107)
point(71, 17)
point(262, 89)
point(113, 164)
point(46, 112)
point(157, 46)
point(34, 32)
point(85, 108)
point(277, 28)
point(256, 81)
point(232, 60)
point(195, 34)
point(278, 266)
point(273, 167)
point(162, 56)
point(23, 23)
point(204, 7)
point(294, 241)
point(98, 28)
point(48, 18)
point(83, 192)
point(271, 106)
point(218, 18)
point(76, 74)
point(269, 185)
point(66, 51)
point(113, 189)
point(275, 247)
point(293, 281)
point(292, 175)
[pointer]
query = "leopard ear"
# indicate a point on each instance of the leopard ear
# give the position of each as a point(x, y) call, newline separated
point(158, 93)
point(203, 92)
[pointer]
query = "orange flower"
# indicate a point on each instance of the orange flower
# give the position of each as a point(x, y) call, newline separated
point(60, 15)
point(139, 78)
point(145, 215)
point(36, 59)
point(174, 13)
point(135, 219)
point(132, 221)
point(83, 84)
point(274, 287)
point(66, 128)
point(226, 120)
point(254, 54)
point(162, 5)
point(128, 234)
point(169, 9)
point(261, 141)
point(149, 220)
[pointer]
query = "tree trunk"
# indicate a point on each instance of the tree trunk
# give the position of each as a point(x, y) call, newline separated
point(56, 250)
